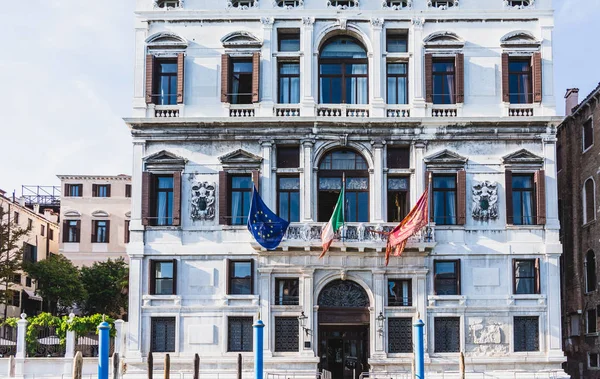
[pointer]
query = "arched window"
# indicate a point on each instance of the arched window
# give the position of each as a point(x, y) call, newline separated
point(590, 271)
point(343, 72)
point(332, 169)
point(589, 201)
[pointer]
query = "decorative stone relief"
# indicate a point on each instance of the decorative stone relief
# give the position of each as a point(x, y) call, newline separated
point(377, 22)
point(343, 4)
point(288, 4)
point(203, 201)
point(343, 293)
point(487, 337)
point(418, 22)
point(308, 21)
point(442, 4)
point(267, 21)
point(485, 201)
point(242, 4)
point(396, 5)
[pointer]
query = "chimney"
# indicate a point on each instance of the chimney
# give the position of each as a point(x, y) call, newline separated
point(571, 100)
point(2, 192)
point(36, 208)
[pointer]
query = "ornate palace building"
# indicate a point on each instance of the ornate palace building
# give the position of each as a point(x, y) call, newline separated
point(293, 96)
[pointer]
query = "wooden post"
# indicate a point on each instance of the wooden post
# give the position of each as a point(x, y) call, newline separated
point(239, 367)
point(196, 366)
point(77, 365)
point(167, 366)
point(461, 365)
point(115, 364)
point(150, 365)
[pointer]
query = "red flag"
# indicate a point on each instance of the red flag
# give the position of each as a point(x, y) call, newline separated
point(412, 223)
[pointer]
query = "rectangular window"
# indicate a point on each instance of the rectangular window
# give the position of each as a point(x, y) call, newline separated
point(286, 334)
point(397, 83)
point(399, 293)
point(162, 334)
point(523, 199)
point(127, 190)
point(519, 81)
point(29, 253)
point(29, 224)
point(287, 292)
point(16, 298)
point(42, 230)
point(444, 199)
point(51, 234)
point(100, 190)
point(444, 86)
point(165, 82)
point(289, 82)
point(240, 190)
point(74, 190)
point(398, 157)
point(100, 231)
point(17, 279)
point(593, 360)
point(241, 82)
point(288, 198)
point(588, 134)
point(288, 157)
point(163, 277)
point(446, 277)
point(163, 200)
point(289, 40)
point(71, 231)
point(239, 333)
point(397, 198)
point(400, 335)
point(16, 218)
point(396, 41)
point(447, 334)
point(526, 276)
point(241, 277)
point(527, 333)
point(27, 281)
point(126, 231)
point(590, 321)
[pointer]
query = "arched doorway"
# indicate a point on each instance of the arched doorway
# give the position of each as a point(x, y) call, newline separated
point(344, 329)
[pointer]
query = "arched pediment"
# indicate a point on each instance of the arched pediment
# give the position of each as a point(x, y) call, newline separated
point(241, 39)
point(519, 38)
point(166, 40)
point(444, 39)
point(72, 213)
point(100, 213)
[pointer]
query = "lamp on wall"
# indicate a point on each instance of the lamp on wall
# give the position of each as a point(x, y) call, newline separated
point(302, 321)
point(380, 323)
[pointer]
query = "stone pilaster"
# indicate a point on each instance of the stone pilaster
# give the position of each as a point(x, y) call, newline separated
point(306, 206)
point(416, 67)
point(378, 193)
point(267, 185)
point(377, 68)
point(266, 69)
point(307, 63)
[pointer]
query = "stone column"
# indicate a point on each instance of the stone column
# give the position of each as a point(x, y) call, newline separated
point(416, 68)
point(379, 186)
point(264, 283)
point(307, 97)
point(134, 337)
point(377, 68)
point(119, 336)
point(21, 332)
point(419, 176)
point(266, 174)
point(379, 291)
point(266, 69)
point(308, 309)
point(306, 183)
point(70, 340)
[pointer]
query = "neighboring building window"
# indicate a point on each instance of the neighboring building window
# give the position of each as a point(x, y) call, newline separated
point(590, 271)
point(332, 168)
point(591, 322)
point(397, 83)
point(239, 333)
point(240, 190)
point(17, 279)
point(526, 276)
point(51, 234)
point(399, 293)
point(287, 292)
point(523, 199)
point(241, 81)
point(520, 81)
point(101, 190)
point(162, 334)
point(100, 231)
point(446, 277)
point(16, 299)
point(74, 190)
point(16, 217)
point(400, 335)
point(343, 72)
point(593, 360)
point(288, 197)
point(29, 253)
point(42, 230)
point(397, 198)
point(163, 200)
point(241, 277)
point(127, 232)
point(29, 224)
point(589, 201)
point(396, 41)
point(27, 281)
point(127, 190)
point(163, 277)
point(444, 199)
point(71, 231)
point(288, 157)
point(527, 333)
point(447, 334)
point(289, 41)
point(444, 86)
point(588, 134)
point(165, 82)
point(289, 83)
point(286, 334)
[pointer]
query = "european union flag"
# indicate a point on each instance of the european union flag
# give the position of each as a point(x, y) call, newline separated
point(267, 228)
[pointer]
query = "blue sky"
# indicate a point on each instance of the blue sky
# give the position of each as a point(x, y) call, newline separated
point(69, 67)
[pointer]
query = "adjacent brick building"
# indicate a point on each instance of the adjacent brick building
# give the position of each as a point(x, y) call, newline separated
point(578, 160)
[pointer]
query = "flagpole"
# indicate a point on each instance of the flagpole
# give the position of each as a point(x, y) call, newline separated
point(428, 203)
point(343, 205)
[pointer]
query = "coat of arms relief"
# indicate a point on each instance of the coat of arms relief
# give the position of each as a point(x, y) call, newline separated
point(485, 201)
point(203, 201)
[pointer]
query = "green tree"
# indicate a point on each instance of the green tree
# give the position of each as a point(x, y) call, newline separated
point(106, 284)
point(11, 251)
point(59, 283)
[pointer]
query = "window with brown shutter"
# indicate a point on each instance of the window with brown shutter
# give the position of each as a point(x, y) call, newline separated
point(540, 196)
point(146, 197)
point(256, 179)
point(224, 78)
point(223, 197)
point(180, 77)
point(428, 78)
point(126, 233)
point(509, 201)
point(255, 77)
point(460, 78)
point(149, 77)
point(176, 198)
point(157, 209)
point(505, 86)
point(461, 200)
point(537, 77)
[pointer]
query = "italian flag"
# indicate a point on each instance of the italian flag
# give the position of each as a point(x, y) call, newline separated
point(334, 224)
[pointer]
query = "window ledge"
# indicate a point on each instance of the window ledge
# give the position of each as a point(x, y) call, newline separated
point(588, 149)
point(449, 227)
point(162, 227)
point(528, 297)
point(284, 307)
point(288, 54)
point(397, 55)
point(589, 223)
point(234, 227)
point(161, 297)
point(594, 334)
point(524, 227)
point(241, 297)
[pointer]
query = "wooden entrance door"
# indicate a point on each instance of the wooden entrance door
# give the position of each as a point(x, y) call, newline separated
point(344, 350)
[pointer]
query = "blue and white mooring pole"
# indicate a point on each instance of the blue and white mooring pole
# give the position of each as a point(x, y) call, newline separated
point(103, 348)
point(419, 350)
point(258, 348)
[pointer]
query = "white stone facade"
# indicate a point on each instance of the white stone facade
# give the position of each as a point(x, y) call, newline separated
point(484, 135)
